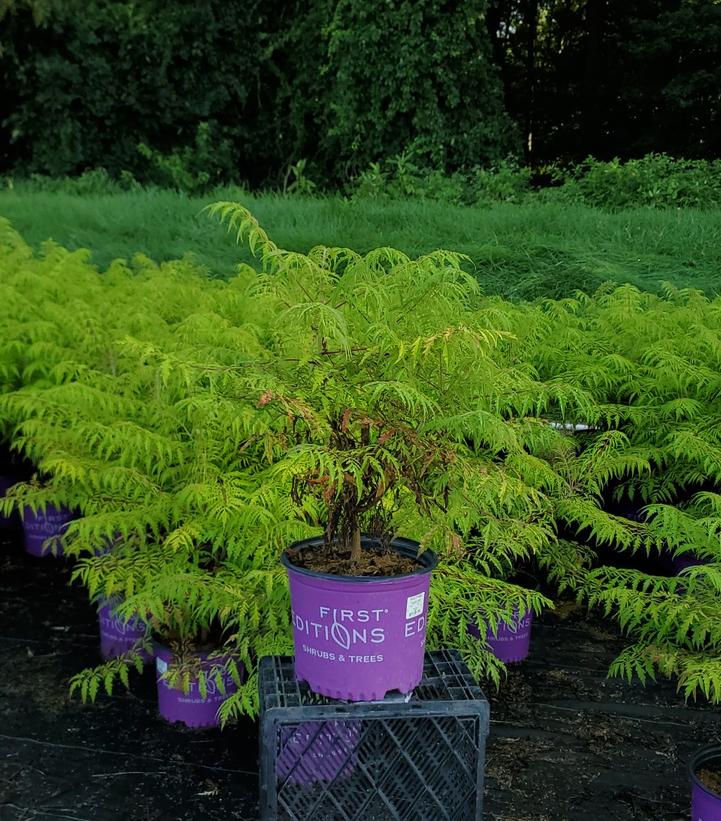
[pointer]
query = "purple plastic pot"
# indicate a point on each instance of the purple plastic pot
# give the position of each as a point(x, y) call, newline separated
point(512, 642)
point(118, 636)
point(318, 751)
point(359, 637)
point(705, 805)
point(43, 525)
point(191, 708)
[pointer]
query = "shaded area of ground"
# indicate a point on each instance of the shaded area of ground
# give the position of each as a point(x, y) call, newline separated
point(569, 743)
point(566, 743)
point(111, 761)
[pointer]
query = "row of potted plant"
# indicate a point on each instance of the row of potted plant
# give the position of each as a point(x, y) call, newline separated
point(651, 364)
point(359, 397)
point(295, 469)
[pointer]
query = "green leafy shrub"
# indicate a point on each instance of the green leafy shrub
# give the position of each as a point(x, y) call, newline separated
point(208, 424)
point(94, 182)
point(501, 182)
point(192, 169)
point(298, 182)
point(650, 366)
point(655, 180)
point(405, 177)
point(101, 428)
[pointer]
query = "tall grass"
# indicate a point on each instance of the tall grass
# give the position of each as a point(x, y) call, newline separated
point(521, 251)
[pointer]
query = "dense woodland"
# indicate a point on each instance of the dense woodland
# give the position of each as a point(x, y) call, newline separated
point(245, 91)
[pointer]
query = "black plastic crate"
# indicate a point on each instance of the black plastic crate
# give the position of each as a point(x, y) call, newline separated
point(400, 759)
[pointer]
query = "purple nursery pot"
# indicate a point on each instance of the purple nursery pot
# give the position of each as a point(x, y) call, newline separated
point(359, 637)
point(318, 751)
point(116, 635)
point(43, 525)
point(191, 708)
point(512, 642)
point(705, 804)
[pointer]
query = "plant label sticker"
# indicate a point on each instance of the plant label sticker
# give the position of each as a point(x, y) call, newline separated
point(414, 605)
point(160, 665)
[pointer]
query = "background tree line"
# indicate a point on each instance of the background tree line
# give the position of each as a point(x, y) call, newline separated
point(244, 90)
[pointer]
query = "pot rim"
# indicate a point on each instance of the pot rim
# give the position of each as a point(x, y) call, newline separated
point(405, 547)
point(206, 655)
point(707, 754)
point(572, 427)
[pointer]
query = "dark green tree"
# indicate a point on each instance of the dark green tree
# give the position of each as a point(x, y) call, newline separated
point(609, 77)
point(415, 75)
point(224, 90)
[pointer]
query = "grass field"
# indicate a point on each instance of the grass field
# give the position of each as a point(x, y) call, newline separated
point(519, 251)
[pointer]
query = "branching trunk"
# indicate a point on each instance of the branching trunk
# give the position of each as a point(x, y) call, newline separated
point(355, 548)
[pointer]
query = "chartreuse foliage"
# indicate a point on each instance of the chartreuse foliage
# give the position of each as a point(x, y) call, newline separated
point(326, 381)
point(128, 448)
point(651, 365)
point(203, 426)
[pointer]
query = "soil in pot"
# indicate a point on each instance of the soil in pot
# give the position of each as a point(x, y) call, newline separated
point(381, 561)
point(711, 777)
point(358, 637)
point(706, 784)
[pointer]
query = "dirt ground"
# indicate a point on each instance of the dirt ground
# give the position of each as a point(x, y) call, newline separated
point(566, 742)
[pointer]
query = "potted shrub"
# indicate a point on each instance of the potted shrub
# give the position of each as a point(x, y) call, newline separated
point(366, 403)
point(650, 363)
point(195, 673)
point(330, 397)
point(196, 664)
point(119, 635)
point(508, 634)
point(123, 439)
point(44, 527)
point(45, 512)
point(705, 772)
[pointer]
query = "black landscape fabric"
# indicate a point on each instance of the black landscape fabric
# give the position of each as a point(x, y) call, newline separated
point(565, 743)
